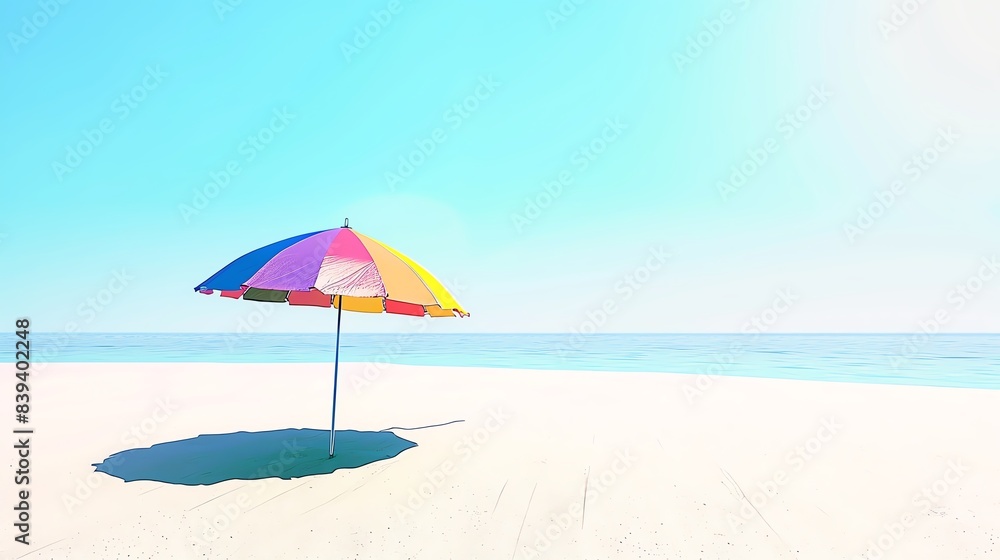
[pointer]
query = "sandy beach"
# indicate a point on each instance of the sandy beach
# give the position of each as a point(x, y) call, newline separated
point(543, 464)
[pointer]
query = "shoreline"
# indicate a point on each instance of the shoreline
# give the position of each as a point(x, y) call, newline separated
point(860, 380)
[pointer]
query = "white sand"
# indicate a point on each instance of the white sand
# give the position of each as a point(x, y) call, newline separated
point(664, 474)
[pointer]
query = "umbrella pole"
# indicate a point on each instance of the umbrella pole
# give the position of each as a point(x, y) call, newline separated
point(336, 366)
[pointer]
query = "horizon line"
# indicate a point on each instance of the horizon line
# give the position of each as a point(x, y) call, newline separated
point(639, 333)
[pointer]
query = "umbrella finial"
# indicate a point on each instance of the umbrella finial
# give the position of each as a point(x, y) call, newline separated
point(346, 222)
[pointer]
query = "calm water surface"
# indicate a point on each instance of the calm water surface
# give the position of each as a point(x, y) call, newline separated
point(940, 360)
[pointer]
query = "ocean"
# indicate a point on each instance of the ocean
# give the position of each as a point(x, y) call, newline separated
point(964, 360)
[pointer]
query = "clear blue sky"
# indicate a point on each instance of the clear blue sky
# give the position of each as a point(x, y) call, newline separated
point(227, 129)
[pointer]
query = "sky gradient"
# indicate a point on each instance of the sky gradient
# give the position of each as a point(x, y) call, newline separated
point(617, 167)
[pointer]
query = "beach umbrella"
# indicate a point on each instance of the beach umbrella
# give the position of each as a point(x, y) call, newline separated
point(337, 268)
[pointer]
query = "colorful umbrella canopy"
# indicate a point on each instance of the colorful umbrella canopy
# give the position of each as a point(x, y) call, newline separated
point(338, 268)
point(366, 275)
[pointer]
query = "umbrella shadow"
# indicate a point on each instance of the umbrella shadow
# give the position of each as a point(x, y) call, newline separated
point(287, 454)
